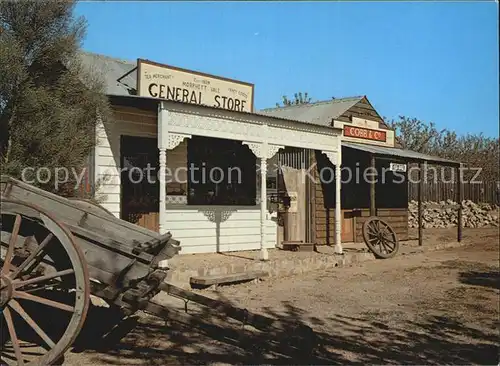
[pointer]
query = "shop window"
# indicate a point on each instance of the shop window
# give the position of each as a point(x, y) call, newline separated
point(391, 189)
point(355, 192)
point(220, 172)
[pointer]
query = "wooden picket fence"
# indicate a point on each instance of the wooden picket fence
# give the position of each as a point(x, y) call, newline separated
point(484, 192)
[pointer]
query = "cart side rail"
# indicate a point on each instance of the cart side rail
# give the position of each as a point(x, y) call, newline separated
point(73, 213)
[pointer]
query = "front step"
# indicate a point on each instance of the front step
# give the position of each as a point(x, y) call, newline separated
point(297, 246)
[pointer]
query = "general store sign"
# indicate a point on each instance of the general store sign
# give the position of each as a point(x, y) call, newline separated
point(365, 133)
point(172, 83)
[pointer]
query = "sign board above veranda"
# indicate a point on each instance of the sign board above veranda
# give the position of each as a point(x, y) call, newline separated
point(172, 83)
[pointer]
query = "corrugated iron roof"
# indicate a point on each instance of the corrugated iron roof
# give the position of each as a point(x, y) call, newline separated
point(319, 113)
point(394, 151)
point(111, 69)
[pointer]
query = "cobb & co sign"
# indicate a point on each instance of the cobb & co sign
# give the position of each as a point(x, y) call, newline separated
point(171, 83)
point(365, 133)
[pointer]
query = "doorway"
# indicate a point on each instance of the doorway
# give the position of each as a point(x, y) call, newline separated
point(139, 161)
point(292, 166)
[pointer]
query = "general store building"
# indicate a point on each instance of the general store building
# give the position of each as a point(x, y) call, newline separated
point(167, 117)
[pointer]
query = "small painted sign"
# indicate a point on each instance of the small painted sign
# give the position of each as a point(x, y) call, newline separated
point(293, 201)
point(365, 133)
point(397, 167)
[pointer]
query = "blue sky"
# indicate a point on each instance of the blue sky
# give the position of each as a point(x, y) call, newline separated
point(434, 61)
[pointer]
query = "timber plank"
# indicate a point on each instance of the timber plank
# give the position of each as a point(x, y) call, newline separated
point(297, 246)
point(400, 232)
point(365, 215)
point(359, 234)
point(344, 118)
point(392, 224)
point(320, 205)
point(365, 114)
point(135, 111)
point(387, 219)
point(321, 232)
point(323, 226)
point(386, 212)
point(227, 278)
point(321, 212)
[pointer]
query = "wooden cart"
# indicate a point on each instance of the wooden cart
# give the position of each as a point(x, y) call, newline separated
point(55, 252)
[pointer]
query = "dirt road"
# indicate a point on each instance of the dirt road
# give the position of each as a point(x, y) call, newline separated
point(435, 307)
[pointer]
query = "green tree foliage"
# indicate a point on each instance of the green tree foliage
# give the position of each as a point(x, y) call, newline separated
point(299, 98)
point(474, 150)
point(49, 103)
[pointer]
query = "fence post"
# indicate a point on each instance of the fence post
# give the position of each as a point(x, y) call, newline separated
point(459, 200)
point(373, 210)
point(420, 188)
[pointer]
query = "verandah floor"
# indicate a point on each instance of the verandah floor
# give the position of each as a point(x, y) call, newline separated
point(285, 263)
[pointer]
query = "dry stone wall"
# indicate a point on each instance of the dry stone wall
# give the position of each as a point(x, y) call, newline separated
point(445, 214)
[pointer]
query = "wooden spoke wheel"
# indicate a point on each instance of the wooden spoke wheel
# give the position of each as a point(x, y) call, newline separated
point(380, 238)
point(44, 290)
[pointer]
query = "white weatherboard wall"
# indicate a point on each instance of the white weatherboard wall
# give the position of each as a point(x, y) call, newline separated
point(107, 152)
point(239, 230)
point(201, 229)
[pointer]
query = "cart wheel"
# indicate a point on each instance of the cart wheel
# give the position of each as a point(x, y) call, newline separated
point(44, 291)
point(380, 238)
point(89, 204)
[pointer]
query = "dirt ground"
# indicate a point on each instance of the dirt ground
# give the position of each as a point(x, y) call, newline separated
point(431, 307)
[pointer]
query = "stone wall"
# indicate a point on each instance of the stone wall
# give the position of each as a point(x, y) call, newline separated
point(445, 214)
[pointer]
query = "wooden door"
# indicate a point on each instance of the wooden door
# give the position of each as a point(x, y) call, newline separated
point(296, 216)
point(347, 233)
point(139, 184)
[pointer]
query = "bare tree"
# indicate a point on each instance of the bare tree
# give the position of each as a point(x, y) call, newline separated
point(299, 98)
point(474, 150)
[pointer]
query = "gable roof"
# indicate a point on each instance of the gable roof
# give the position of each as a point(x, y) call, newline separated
point(318, 113)
point(111, 70)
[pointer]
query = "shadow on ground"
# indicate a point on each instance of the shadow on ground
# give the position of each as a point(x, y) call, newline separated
point(475, 273)
point(489, 278)
point(372, 337)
